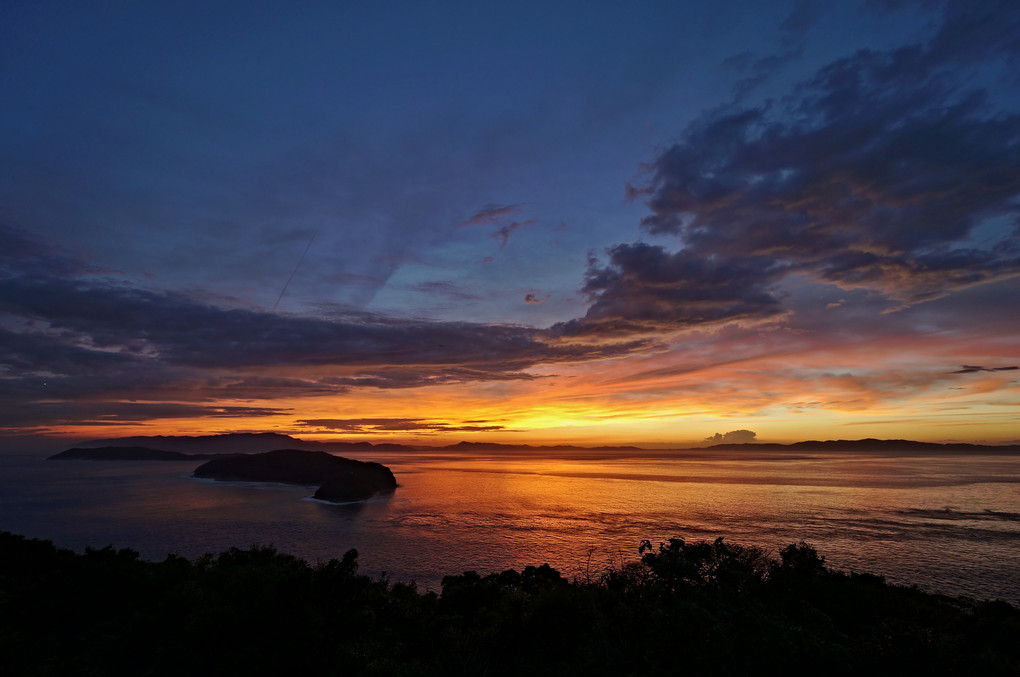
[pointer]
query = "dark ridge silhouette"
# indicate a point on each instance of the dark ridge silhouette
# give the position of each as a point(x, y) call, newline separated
point(699, 608)
point(339, 479)
point(235, 443)
point(125, 454)
point(868, 444)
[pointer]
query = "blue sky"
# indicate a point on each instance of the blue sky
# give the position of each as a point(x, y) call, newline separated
point(578, 183)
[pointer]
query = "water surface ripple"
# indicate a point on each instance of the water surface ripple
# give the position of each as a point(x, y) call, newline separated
point(946, 523)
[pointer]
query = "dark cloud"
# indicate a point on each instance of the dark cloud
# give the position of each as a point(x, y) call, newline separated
point(636, 192)
point(491, 215)
point(67, 335)
point(645, 288)
point(733, 437)
point(20, 252)
point(173, 328)
point(504, 232)
point(41, 414)
point(356, 426)
point(381, 376)
point(535, 298)
point(971, 368)
point(495, 215)
point(883, 172)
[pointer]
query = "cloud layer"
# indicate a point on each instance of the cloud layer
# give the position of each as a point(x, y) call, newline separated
point(830, 202)
point(72, 333)
point(895, 172)
point(360, 426)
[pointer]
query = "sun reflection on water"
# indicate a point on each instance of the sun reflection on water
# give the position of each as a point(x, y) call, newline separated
point(894, 515)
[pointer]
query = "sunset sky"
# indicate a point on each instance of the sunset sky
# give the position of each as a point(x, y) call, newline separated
point(577, 222)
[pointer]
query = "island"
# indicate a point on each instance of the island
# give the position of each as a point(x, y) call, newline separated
point(114, 453)
point(340, 480)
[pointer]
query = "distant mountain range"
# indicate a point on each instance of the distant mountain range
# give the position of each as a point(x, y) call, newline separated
point(868, 444)
point(250, 443)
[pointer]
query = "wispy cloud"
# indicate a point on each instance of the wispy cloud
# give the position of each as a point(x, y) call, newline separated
point(36, 414)
point(499, 216)
point(504, 232)
point(491, 215)
point(971, 369)
point(70, 336)
point(357, 426)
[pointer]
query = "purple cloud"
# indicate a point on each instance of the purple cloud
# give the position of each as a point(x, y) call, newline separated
point(495, 215)
point(75, 346)
point(491, 215)
point(645, 288)
point(503, 233)
point(877, 173)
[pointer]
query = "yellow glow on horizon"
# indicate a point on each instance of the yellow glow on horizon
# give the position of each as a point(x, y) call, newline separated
point(792, 392)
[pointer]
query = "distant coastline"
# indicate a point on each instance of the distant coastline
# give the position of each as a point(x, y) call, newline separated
point(125, 453)
point(867, 444)
point(233, 443)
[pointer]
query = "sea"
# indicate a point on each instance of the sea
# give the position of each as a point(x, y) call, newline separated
point(946, 523)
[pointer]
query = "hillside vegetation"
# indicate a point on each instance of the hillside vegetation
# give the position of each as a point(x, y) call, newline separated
point(683, 608)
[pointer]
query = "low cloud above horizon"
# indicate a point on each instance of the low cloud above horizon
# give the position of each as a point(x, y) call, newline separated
point(361, 426)
point(792, 231)
point(733, 437)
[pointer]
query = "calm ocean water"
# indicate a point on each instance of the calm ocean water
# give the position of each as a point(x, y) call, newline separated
point(948, 524)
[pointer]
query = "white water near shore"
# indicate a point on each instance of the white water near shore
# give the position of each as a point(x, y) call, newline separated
point(947, 523)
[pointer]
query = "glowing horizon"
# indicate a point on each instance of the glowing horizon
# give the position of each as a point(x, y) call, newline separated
point(799, 220)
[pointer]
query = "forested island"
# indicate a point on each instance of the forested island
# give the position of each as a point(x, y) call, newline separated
point(700, 608)
point(340, 479)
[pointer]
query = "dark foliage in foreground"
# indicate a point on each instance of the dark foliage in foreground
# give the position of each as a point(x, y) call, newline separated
point(685, 608)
